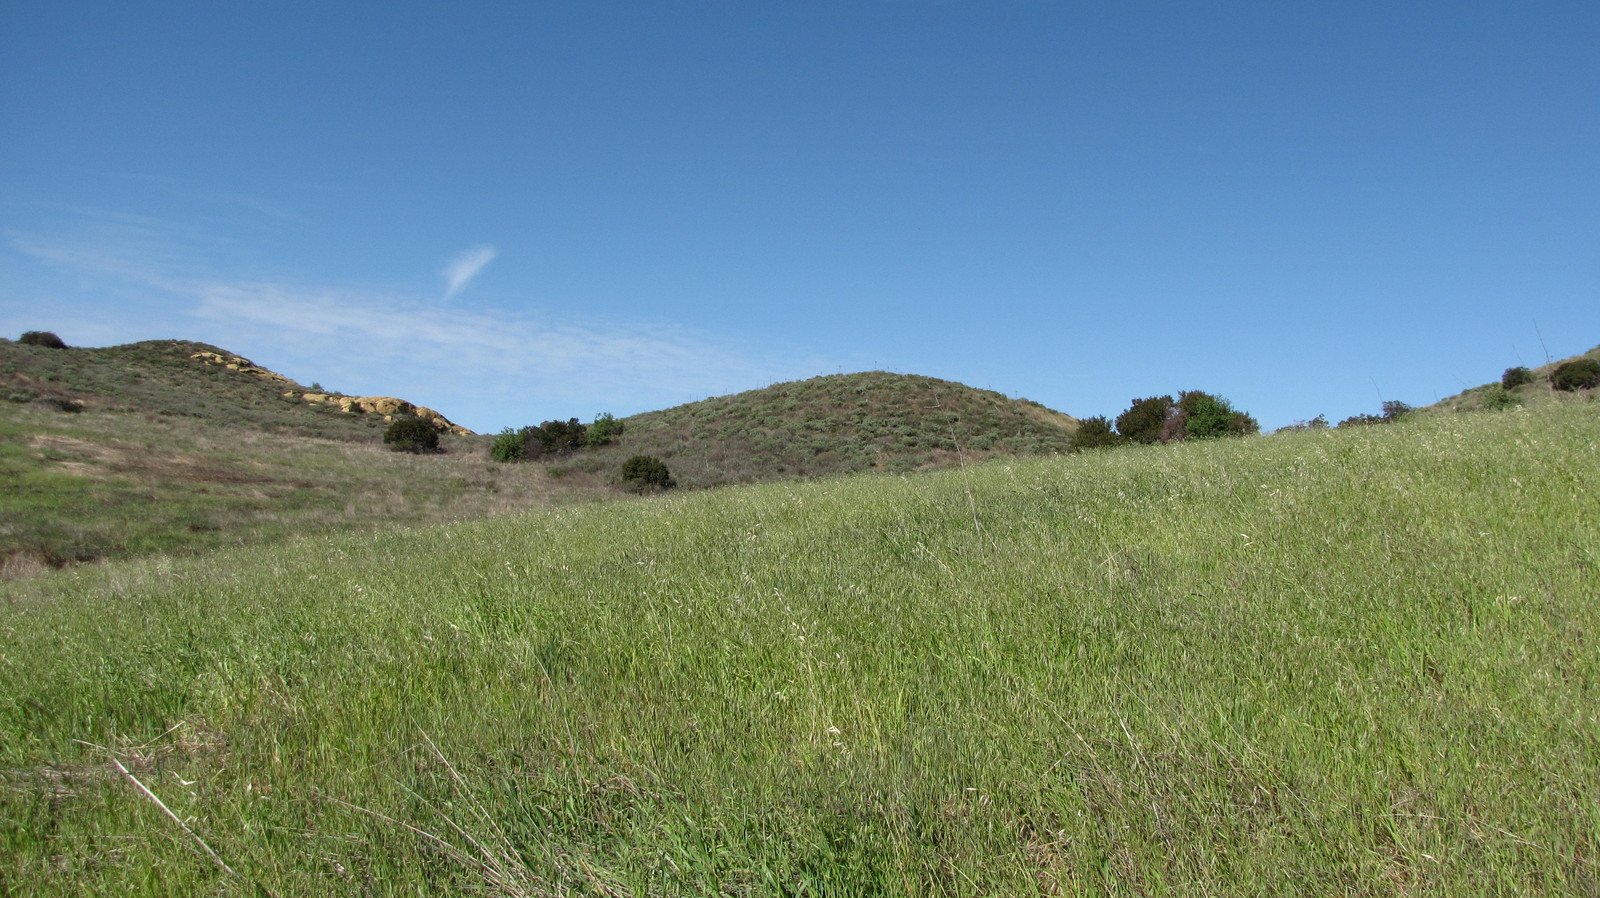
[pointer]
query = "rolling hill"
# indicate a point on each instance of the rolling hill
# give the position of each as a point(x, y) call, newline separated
point(836, 424)
point(1333, 663)
point(177, 446)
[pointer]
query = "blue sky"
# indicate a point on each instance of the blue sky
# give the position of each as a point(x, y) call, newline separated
point(517, 211)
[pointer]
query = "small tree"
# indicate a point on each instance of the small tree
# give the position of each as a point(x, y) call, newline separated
point(1394, 410)
point(1143, 420)
point(1516, 377)
point(1206, 417)
point(1094, 433)
point(604, 429)
point(508, 446)
point(43, 338)
point(553, 438)
point(412, 434)
point(1578, 374)
point(646, 473)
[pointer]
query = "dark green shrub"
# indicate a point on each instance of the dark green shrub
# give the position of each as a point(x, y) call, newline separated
point(1578, 374)
point(412, 434)
point(553, 438)
point(507, 446)
point(603, 430)
point(1143, 420)
point(1394, 410)
point(1363, 420)
point(646, 473)
point(1094, 433)
point(42, 338)
point(1516, 377)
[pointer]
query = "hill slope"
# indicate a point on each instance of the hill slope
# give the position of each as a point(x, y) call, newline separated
point(836, 424)
point(181, 378)
point(1357, 662)
point(1537, 392)
point(163, 447)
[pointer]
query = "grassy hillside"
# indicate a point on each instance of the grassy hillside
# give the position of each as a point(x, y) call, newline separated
point(175, 379)
point(144, 448)
point(1357, 662)
point(831, 425)
point(1539, 392)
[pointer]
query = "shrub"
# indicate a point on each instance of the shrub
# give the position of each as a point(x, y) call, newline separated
point(604, 429)
point(1498, 398)
point(1394, 410)
point(1516, 377)
point(646, 473)
point(553, 438)
point(1143, 420)
point(1202, 416)
point(412, 434)
point(1094, 433)
point(1363, 420)
point(1320, 422)
point(507, 446)
point(1578, 374)
point(43, 338)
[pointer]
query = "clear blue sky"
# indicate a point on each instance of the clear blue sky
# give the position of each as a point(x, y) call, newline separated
point(520, 211)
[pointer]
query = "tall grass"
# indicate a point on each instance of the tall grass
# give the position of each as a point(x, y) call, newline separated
point(1324, 663)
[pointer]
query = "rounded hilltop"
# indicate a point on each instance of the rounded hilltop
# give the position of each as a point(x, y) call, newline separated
point(835, 424)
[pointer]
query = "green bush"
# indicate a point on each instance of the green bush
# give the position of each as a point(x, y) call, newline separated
point(1578, 374)
point(1497, 398)
point(553, 438)
point(42, 338)
point(603, 430)
point(1143, 420)
point(1206, 417)
point(646, 473)
point(1394, 410)
point(1516, 377)
point(412, 434)
point(508, 446)
point(1094, 433)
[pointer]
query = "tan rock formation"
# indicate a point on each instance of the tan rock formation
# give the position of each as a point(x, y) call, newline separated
point(387, 406)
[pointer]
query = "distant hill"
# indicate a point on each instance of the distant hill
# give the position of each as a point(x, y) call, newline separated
point(1536, 392)
point(833, 425)
point(196, 380)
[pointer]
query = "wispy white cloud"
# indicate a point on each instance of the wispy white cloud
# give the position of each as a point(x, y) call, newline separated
point(484, 368)
point(464, 267)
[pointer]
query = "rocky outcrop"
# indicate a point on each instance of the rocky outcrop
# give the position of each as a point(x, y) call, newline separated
point(387, 407)
point(239, 364)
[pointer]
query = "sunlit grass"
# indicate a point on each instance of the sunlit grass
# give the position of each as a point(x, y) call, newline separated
point(1320, 663)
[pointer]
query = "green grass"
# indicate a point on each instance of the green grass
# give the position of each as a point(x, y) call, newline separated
point(1354, 663)
point(106, 483)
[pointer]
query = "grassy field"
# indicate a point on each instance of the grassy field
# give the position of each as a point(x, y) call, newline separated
point(107, 483)
point(1356, 663)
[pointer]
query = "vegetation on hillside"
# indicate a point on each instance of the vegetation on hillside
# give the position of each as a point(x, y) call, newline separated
point(1522, 386)
point(874, 421)
point(1351, 662)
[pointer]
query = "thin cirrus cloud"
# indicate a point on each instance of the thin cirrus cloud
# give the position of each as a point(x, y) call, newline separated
point(486, 368)
point(464, 267)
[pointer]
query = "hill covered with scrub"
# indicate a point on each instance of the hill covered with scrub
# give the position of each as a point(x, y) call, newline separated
point(181, 378)
point(836, 424)
point(1353, 662)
